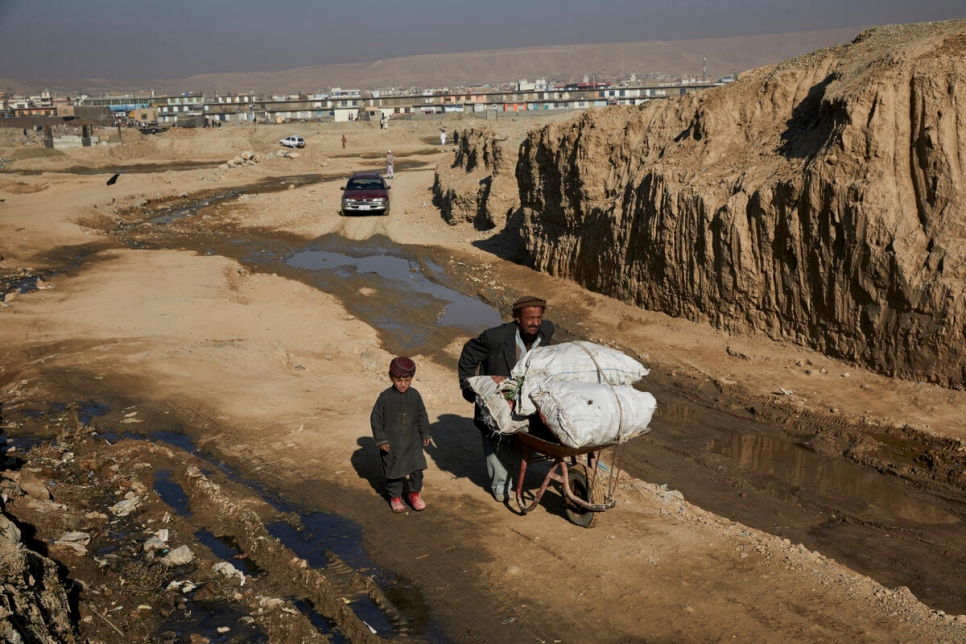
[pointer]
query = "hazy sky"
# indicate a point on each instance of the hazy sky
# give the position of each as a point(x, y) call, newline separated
point(114, 39)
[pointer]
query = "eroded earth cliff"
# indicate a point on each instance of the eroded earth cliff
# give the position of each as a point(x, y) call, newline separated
point(820, 200)
point(479, 186)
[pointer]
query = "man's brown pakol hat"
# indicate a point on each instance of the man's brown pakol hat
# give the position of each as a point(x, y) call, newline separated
point(527, 301)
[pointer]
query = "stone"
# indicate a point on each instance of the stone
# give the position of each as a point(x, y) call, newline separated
point(9, 530)
point(33, 486)
point(125, 507)
point(75, 540)
point(177, 557)
point(229, 571)
point(157, 541)
point(207, 592)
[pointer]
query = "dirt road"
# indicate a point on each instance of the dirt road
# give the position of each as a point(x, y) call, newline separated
point(273, 376)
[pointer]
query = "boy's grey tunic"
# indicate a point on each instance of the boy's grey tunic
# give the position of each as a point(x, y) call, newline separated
point(400, 420)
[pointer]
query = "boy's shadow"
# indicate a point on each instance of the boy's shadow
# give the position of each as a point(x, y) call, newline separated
point(367, 463)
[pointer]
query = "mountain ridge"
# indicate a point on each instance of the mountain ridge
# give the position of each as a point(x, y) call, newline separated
point(607, 61)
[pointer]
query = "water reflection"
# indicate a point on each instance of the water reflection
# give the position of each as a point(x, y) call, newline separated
point(789, 470)
point(396, 294)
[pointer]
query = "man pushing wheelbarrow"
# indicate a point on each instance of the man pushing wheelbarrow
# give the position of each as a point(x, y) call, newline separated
point(494, 353)
point(553, 404)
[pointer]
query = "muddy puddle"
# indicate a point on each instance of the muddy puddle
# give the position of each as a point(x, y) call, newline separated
point(150, 168)
point(382, 603)
point(877, 524)
point(315, 537)
point(719, 455)
point(173, 211)
point(143, 168)
point(392, 289)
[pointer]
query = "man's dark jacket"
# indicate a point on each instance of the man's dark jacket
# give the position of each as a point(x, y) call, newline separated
point(495, 353)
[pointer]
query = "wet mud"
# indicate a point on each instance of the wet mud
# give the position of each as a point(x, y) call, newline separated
point(134, 168)
point(770, 476)
point(151, 168)
point(883, 503)
point(313, 562)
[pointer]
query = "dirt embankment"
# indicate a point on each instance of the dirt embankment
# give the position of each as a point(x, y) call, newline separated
point(818, 201)
point(479, 187)
point(33, 606)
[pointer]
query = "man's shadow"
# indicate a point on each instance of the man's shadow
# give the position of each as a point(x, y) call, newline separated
point(457, 448)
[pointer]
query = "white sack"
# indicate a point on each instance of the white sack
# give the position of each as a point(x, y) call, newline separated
point(581, 414)
point(572, 361)
point(498, 411)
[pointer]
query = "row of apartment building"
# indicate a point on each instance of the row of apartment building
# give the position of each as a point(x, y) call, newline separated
point(346, 105)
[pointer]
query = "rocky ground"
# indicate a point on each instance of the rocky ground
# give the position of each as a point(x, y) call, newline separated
point(218, 396)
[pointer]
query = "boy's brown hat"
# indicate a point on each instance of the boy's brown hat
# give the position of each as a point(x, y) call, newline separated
point(402, 367)
point(528, 301)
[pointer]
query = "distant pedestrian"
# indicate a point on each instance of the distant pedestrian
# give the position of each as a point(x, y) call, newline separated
point(442, 137)
point(456, 137)
point(343, 141)
point(400, 426)
point(390, 160)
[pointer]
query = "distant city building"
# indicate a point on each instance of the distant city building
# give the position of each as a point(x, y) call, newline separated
point(182, 110)
point(339, 104)
point(338, 92)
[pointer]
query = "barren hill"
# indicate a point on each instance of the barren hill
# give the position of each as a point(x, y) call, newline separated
point(724, 55)
point(820, 200)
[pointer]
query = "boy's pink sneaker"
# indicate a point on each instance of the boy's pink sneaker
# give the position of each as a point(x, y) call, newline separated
point(417, 502)
point(396, 504)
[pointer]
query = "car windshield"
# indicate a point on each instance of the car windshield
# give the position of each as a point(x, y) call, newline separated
point(364, 184)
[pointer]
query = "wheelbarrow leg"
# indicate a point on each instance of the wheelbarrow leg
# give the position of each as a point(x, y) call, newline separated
point(524, 458)
point(519, 485)
point(558, 463)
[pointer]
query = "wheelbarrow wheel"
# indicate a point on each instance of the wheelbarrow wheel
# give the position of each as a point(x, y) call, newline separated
point(579, 478)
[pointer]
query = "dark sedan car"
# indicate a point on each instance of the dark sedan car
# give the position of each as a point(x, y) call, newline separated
point(365, 193)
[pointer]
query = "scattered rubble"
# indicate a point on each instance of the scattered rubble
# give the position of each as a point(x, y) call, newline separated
point(245, 158)
point(121, 571)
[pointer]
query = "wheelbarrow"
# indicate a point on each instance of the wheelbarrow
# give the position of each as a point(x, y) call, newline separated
point(587, 487)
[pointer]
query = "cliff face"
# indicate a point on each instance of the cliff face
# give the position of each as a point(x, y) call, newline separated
point(820, 200)
point(479, 187)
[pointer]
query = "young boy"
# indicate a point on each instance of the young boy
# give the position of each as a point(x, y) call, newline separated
point(401, 429)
